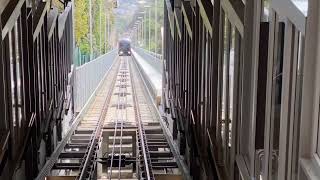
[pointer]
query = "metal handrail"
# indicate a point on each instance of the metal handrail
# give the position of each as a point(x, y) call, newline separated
point(97, 59)
point(156, 55)
point(146, 155)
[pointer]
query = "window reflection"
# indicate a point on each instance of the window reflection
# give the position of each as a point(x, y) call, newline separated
point(277, 103)
point(16, 92)
point(297, 110)
point(231, 82)
point(265, 11)
point(12, 79)
point(18, 75)
point(228, 80)
point(302, 5)
point(224, 81)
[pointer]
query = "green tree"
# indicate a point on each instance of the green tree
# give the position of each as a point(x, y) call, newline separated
point(100, 8)
point(82, 25)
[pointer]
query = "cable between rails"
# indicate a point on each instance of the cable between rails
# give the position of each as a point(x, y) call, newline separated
point(115, 129)
point(145, 152)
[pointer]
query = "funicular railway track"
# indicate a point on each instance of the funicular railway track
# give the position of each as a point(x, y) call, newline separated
point(118, 137)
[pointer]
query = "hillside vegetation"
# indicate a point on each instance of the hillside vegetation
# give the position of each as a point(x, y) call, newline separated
point(101, 10)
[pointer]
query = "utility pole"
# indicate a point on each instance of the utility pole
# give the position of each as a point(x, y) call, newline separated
point(142, 32)
point(137, 35)
point(90, 26)
point(162, 42)
point(141, 29)
point(105, 33)
point(100, 27)
point(155, 27)
point(108, 29)
point(145, 29)
point(149, 29)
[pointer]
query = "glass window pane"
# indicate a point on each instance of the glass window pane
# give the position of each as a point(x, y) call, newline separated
point(231, 82)
point(297, 108)
point(224, 80)
point(12, 80)
point(265, 11)
point(276, 103)
point(302, 5)
point(18, 75)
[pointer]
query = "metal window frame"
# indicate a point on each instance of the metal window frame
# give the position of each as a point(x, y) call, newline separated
point(3, 110)
point(287, 118)
point(195, 94)
point(186, 11)
point(224, 65)
point(288, 89)
point(236, 100)
point(288, 97)
point(205, 13)
point(309, 160)
point(248, 85)
point(286, 8)
point(229, 156)
point(17, 131)
point(233, 16)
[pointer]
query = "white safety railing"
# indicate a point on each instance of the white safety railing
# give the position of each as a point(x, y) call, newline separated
point(151, 73)
point(88, 76)
point(156, 55)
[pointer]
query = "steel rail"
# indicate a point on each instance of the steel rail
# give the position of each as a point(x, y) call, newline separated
point(114, 140)
point(121, 131)
point(96, 135)
point(146, 155)
point(174, 149)
point(55, 155)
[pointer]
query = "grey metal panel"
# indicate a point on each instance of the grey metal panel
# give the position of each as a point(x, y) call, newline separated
point(309, 163)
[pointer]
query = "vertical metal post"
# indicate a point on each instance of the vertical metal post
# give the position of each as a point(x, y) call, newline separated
point(162, 42)
point(149, 29)
point(138, 33)
point(145, 29)
point(73, 26)
point(141, 32)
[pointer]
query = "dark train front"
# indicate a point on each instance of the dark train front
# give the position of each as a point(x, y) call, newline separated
point(124, 47)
